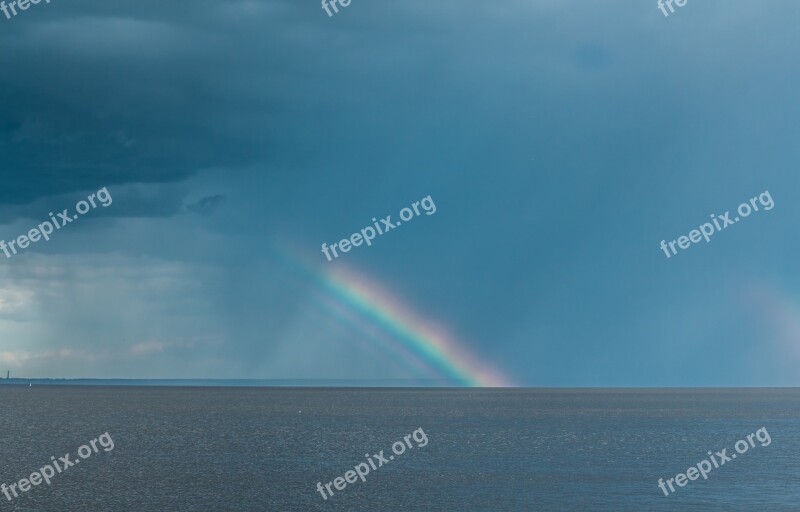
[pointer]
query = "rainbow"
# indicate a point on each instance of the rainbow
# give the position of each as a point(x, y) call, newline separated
point(780, 313)
point(362, 304)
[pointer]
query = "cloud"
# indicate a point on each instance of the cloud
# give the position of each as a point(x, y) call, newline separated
point(136, 104)
point(153, 346)
point(20, 358)
point(13, 299)
point(206, 205)
point(148, 347)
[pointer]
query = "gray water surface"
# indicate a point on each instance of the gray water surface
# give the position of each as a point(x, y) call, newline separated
point(265, 449)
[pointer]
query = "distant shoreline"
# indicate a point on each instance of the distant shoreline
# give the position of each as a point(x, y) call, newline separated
point(260, 383)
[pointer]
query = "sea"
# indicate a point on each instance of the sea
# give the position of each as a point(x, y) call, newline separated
point(231, 448)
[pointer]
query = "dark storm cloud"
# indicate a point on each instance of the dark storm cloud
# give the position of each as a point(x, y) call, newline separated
point(111, 93)
point(206, 205)
point(132, 200)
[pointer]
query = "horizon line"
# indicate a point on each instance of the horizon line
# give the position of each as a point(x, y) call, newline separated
point(325, 383)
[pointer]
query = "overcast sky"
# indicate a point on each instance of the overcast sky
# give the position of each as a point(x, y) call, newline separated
point(560, 140)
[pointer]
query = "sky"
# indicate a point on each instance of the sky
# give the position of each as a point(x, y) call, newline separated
point(560, 141)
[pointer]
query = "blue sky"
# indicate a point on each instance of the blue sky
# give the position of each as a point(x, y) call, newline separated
point(560, 141)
